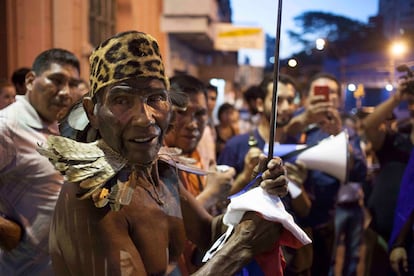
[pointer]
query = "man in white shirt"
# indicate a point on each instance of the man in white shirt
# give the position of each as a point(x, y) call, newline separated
point(29, 184)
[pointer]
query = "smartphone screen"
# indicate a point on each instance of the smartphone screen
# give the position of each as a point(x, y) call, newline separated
point(322, 90)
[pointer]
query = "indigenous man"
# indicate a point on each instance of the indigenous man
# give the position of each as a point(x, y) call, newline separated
point(122, 210)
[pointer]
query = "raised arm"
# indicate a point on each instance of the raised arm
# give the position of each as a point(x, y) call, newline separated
point(371, 124)
point(317, 111)
point(218, 185)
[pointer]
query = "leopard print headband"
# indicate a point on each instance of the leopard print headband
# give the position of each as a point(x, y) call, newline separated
point(126, 55)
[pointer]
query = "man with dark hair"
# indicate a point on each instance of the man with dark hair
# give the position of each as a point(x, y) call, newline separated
point(391, 196)
point(19, 80)
point(320, 111)
point(237, 147)
point(29, 184)
point(187, 128)
point(228, 125)
point(185, 134)
point(251, 96)
point(207, 145)
point(7, 93)
point(122, 210)
point(242, 150)
point(320, 119)
point(212, 92)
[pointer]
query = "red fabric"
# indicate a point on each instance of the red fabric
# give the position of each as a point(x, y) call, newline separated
point(273, 262)
point(288, 239)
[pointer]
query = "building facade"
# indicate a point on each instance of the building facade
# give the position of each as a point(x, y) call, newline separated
point(397, 16)
point(183, 28)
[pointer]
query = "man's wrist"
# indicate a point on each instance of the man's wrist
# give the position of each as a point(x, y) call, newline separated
point(240, 182)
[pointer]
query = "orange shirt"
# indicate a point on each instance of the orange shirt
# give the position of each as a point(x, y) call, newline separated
point(194, 183)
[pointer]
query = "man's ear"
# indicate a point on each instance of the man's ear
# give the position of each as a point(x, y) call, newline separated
point(260, 105)
point(30, 77)
point(89, 107)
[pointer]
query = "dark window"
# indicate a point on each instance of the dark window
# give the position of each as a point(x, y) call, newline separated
point(101, 20)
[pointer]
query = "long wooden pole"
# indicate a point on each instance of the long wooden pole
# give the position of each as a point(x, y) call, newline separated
point(275, 82)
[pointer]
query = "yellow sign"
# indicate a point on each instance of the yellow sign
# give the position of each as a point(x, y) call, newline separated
point(359, 92)
point(233, 38)
point(241, 32)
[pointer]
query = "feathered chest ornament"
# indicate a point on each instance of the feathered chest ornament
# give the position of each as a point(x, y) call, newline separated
point(92, 165)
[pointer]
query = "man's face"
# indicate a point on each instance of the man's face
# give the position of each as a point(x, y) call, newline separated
point(285, 103)
point(333, 89)
point(132, 117)
point(229, 117)
point(49, 93)
point(7, 96)
point(189, 125)
point(211, 100)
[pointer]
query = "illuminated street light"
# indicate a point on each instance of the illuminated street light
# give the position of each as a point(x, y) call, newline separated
point(398, 48)
point(389, 87)
point(292, 62)
point(320, 44)
point(352, 87)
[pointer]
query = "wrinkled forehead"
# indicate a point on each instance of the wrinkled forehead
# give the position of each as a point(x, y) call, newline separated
point(137, 86)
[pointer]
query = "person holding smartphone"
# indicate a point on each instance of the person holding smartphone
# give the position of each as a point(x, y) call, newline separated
point(322, 107)
point(318, 119)
point(387, 202)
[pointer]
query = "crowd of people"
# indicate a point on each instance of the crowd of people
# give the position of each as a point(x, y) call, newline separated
point(132, 173)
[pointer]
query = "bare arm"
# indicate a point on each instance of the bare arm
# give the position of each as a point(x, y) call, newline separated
point(297, 124)
point(197, 221)
point(316, 111)
point(250, 161)
point(371, 124)
point(10, 234)
point(252, 236)
point(218, 185)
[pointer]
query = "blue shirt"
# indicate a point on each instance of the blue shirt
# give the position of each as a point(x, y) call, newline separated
point(237, 147)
